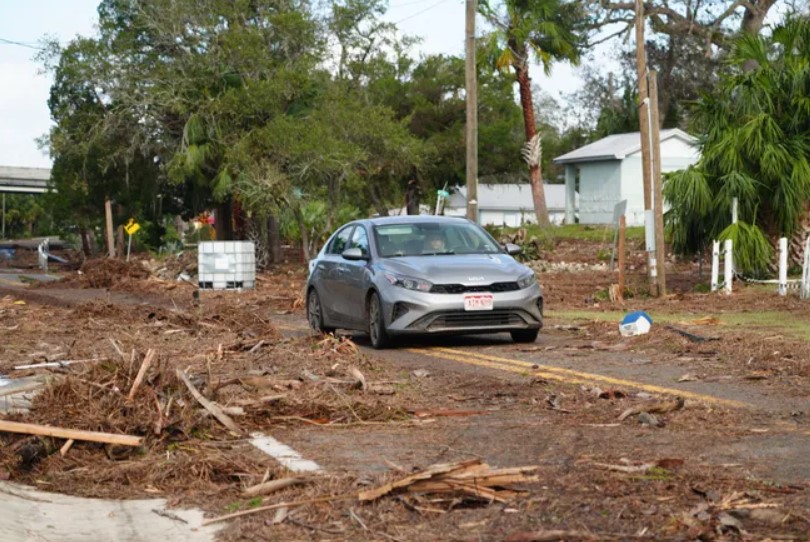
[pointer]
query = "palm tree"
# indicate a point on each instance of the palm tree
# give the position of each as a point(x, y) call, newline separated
point(755, 147)
point(547, 31)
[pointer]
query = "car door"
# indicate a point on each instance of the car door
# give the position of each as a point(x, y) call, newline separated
point(356, 278)
point(332, 269)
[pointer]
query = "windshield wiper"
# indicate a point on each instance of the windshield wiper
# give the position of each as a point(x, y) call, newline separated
point(442, 253)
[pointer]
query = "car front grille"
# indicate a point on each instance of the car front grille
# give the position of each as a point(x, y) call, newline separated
point(471, 319)
point(461, 288)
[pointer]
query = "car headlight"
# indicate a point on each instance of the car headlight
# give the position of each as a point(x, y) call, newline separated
point(527, 280)
point(409, 283)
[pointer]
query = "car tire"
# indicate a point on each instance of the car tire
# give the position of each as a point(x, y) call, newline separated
point(377, 333)
point(315, 313)
point(524, 335)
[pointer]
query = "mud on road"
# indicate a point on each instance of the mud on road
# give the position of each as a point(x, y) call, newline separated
point(728, 463)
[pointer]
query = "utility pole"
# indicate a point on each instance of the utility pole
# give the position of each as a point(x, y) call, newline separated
point(658, 196)
point(646, 162)
point(471, 88)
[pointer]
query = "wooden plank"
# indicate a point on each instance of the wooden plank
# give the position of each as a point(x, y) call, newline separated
point(210, 406)
point(147, 361)
point(75, 434)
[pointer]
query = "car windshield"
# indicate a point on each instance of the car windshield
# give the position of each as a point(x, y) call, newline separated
point(430, 238)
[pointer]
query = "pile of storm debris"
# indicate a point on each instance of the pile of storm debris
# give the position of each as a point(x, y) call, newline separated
point(125, 423)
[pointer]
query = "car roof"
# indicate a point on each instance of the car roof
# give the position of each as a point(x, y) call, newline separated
point(412, 219)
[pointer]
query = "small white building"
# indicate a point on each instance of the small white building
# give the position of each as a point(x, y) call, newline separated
point(607, 171)
point(508, 204)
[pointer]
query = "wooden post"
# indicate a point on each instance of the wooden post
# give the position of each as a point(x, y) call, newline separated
point(644, 129)
point(110, 242)
point(471, 89)
point(657, 195)
point(622, 233)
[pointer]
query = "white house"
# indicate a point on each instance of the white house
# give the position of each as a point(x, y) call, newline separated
point(508, 204)
point(608, 171)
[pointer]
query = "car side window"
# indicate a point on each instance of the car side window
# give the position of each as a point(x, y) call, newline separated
point(360, 239)
point(341, 241)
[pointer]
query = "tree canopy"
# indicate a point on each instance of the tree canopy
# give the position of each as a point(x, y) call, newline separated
point(755, 145)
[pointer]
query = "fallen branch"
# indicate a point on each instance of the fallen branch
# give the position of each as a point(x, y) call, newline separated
point(210, 406)
point(66, 447)
point(274, 485)
point(276, 507)
point(64, 363)
point(75, 434)
point(470, 478)
point(659, 408)
point(692, 336)
point(147, 361)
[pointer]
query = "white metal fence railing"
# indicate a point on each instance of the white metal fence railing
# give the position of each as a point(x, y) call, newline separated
point(783, 283)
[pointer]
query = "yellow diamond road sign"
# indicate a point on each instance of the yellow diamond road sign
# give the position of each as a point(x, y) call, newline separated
point(132, 227)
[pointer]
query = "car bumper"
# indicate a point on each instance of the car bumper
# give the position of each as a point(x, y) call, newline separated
point(409, 311)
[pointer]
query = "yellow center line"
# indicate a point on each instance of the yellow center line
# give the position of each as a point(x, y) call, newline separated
point(11, 282)
point(567, 375)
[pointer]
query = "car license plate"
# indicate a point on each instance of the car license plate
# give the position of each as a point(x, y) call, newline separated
point(478, 302)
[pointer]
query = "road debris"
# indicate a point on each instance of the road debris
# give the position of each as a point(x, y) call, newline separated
point(691, 336)
point(466, 479)
point(661, 407)
point(75, 434)
point(635, 323)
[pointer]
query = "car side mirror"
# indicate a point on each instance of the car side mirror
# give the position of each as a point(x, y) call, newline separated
point(354, 254)
point(512, 249)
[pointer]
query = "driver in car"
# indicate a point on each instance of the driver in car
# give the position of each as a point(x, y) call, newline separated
point(434, 242)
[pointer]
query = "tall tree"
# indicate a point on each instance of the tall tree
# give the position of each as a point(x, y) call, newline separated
point(755, 147)
point(713, 22)
point(547, 30)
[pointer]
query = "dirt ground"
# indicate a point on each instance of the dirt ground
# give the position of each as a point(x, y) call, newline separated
point(728, 462)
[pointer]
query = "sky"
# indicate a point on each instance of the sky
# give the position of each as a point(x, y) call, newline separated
point(24, 114)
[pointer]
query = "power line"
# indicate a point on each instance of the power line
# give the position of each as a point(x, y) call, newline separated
point(20, 44)
point(409, 17)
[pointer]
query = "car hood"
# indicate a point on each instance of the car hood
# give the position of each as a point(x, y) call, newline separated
point(465, 269)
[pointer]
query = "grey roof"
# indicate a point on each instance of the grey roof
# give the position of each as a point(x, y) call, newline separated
point(27, 180)
point(509, 197)
point(616, 147)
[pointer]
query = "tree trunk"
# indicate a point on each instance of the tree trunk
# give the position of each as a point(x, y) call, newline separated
point(538, 191)
point(274, 239)
point(299, 217)
point(752, 21)
point(87, 242)
point(382, 210)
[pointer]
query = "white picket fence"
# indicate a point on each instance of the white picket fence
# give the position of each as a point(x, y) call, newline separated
point(783, 283)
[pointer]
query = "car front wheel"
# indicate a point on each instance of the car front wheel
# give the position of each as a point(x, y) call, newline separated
point(376, 323)
point(315, 313)
point(524, 335)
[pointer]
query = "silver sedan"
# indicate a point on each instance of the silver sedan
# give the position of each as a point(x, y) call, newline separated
point(396, 276)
